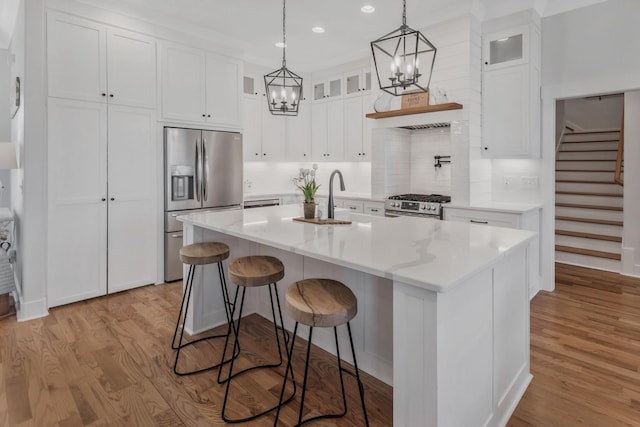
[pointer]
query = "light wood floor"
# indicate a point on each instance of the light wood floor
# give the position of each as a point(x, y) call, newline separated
point(107, 362)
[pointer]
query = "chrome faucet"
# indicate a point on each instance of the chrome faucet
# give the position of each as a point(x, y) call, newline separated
point(330, 203)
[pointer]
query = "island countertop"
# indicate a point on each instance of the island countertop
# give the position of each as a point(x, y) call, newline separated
point(427, 253)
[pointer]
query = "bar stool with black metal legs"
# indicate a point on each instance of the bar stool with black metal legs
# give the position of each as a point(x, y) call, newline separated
point(250, 272)
point(322, 303)
point(202, 254)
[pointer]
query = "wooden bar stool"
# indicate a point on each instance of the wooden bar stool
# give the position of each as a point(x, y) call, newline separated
point(194, 255)
point(322, 303)
point(250, 272)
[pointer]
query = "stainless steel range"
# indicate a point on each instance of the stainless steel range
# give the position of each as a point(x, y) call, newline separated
point(422, 205)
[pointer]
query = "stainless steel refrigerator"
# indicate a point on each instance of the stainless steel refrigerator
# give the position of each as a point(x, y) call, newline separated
point(203, 172)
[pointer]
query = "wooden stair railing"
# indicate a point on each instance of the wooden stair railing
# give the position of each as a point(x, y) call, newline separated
point(619, 166)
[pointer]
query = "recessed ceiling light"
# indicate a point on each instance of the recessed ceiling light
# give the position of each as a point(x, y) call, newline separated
point(280, 44)
point(367, 8)
point(317, 30)
point(504, 39)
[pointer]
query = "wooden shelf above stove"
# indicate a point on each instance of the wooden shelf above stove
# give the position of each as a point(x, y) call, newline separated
point(416, 110)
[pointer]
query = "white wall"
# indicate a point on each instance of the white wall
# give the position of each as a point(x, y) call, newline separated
point(276, 177)
point(588, 51)
point(5, 124)
point(631, 218)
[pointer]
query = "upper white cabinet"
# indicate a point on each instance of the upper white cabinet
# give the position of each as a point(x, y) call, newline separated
point(357, 129)
point(263, 137)
point(357, 82)
point(326, 89)
point(511, 93)
point(298, 134)
point(198, 86)
point(327, 131)
point(89, 61)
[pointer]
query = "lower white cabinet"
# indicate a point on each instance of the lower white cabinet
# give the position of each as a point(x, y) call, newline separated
point(374, 208)
point(525, 220)
point(101, 199)
point(355, 206)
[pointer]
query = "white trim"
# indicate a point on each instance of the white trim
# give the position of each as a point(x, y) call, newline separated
point(550, 94)
point(29, 310)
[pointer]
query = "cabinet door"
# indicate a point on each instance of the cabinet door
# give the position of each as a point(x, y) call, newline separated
point(298, 134)
point(273, 134)
point(505, 112)
point(223, 90)
point(76, 58)
point(335, 131)
point(77, 191)
point(131, 69)
point(319, 132)
point(353, 83)
point(506, 48)
point(132, 231)
point(319, 90)
point(183, 80)
point(353, 131)
point(252, 123)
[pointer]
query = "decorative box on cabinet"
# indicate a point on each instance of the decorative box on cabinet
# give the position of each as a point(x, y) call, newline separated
point(199, 86)
point(107, 232)
point(511, 93)
point(89, 61)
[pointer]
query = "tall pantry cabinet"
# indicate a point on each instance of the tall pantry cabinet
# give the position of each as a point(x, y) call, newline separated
point(101, 159)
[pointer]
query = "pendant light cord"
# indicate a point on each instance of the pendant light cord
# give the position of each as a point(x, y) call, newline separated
point(284, 33)
point(404, 13)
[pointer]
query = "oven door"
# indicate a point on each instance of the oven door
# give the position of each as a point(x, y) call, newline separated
point(389, 213)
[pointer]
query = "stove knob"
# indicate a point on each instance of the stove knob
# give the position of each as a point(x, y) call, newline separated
point(423, 207)
point(434, 207)
point(398, 205)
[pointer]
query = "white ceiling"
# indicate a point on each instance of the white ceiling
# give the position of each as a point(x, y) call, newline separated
point(254, 26)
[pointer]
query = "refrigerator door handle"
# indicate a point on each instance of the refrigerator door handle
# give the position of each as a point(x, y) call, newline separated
point(205, 167)
point(197, 178)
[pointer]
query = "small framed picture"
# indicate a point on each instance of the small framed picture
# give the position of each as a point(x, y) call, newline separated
point(15, 98)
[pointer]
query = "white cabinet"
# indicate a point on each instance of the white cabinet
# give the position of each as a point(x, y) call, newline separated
point(89, 61)
point(326, 89)
point(355, 206)
point(298, 134)
point(101, 199)
point(357, 82)
point(511, 93)
point(357, 129)
point(526, 220)
point(200, 87)
point(374, 208)
point(264, 133)
point(327, 126)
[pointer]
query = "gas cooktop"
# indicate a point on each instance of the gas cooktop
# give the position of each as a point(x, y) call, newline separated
point(423, 198)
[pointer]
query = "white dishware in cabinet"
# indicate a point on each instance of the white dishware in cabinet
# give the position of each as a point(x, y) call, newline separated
point(89, 61)
point(101, 199)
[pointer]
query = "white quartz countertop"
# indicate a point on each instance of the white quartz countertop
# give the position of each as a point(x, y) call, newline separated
point(508, 207)
point(432, 254)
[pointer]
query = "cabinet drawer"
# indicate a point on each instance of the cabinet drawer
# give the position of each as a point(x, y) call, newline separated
point(496, 219)
point(355, 206)
point(374, 208)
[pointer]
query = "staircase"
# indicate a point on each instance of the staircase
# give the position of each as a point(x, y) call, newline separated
point(589, 200)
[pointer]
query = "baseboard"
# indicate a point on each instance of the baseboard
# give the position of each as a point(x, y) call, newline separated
point(629, 267)
point(28, 310)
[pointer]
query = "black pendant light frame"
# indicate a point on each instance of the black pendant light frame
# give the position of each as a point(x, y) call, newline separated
point(401, 51)
point(283, 86)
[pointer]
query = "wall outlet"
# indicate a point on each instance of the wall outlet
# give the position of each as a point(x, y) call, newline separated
point(530, 182)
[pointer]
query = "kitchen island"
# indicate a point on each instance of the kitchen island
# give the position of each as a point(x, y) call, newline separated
point(443, 306)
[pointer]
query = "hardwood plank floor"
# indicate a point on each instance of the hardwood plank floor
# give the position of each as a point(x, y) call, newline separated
point(585, 352)
point(107, 362)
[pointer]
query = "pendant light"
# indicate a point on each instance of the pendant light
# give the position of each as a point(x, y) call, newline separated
point(284, 87)
point(403, 59)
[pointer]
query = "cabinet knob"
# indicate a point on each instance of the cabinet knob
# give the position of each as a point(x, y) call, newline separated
point(204, 115)
point(256, 93)
point(264, 154)
point(104, 94)
point(110, 95)
point(486, 62)
point(104, 200)
point(486, 148)
point(257, 154)
point(112, 199)
point(208, 115)
point(304, 155)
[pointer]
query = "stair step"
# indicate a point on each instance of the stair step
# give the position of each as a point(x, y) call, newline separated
point(589, 141)
point(601, 187)
point(589, 235)
point(577, 199)
point(588, 132)
point(586, 170)
point(578, 193)
point(584, 160)
point(585, 227)
point(589, 220)
point(587, 151)
point(589, 252)
point(584, 182)
point(589, 262)
point(589, 146)
point(600, 207)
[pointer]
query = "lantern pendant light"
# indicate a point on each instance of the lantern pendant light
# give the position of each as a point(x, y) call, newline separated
point(284, 87)
point(403, 59)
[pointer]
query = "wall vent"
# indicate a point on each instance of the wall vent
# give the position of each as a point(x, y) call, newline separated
point(427, 126)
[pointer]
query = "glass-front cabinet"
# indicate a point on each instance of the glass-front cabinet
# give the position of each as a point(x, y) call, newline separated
point(506, 48)
point(357, 82)
point(330, 88)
